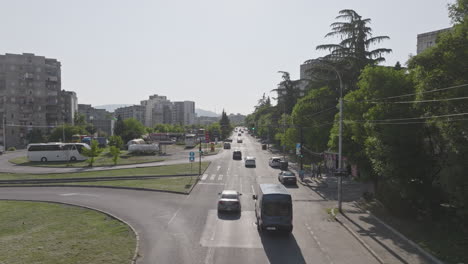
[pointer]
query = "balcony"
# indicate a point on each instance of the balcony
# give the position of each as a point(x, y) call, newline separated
point(52, 79)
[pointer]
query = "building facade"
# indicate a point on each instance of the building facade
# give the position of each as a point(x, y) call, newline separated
point(184, 113)
point(31, 97)
point(428, 39)
point(101, 119)
point(133, 111)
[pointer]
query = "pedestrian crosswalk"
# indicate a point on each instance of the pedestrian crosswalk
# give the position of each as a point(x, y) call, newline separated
point(213, 177)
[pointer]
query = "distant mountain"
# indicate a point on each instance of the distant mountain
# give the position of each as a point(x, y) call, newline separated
point(111, 107)
point(201, 112)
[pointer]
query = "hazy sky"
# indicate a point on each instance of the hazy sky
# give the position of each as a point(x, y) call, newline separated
point(218, 53)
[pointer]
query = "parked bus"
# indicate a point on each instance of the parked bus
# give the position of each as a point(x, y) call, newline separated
point(56, 151)
point(190, 140)
point(273, 208)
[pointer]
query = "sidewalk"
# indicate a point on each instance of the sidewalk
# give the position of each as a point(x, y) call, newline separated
point(382, 241)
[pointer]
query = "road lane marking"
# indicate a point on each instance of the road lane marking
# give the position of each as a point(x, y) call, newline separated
point(253, 191)
point(218, 168)
point(211, 183)
point(75, 194)
point(173, 217)
point(220, 178)
point(213, 176)
point(204, 177)
point(324, 252)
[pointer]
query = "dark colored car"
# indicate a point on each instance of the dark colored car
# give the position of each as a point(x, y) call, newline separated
point(227, 145)
point(287, 177)
point(237, 155)
point(228, 140)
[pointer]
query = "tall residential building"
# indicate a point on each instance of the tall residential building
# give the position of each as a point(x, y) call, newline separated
point(30, 97)
point(428, 39)
point(155, 108)
point(101, 119)
point(184, 113)
point(68, 106)
point(133, 111)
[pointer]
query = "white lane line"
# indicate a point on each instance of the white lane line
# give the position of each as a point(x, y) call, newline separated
point(251, 186)
point(173, 217)
point(211, 183)
point(204, 177)
point(218, 168)
point(213, 176)
point(82, 194)
point(220, 177)
point(319, 244)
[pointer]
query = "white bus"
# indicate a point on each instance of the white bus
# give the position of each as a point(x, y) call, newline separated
point(190, 140)
point(56, 151)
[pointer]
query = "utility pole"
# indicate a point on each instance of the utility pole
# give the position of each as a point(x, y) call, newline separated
point(302, 153)
point(199, 157)
point(4, 131)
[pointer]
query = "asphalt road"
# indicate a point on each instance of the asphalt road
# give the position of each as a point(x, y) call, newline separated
point(187, 229)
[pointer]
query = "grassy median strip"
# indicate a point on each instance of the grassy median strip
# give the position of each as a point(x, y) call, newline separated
point(37, 232)
point(103, 160)
point(174, 184)
point(178, 169)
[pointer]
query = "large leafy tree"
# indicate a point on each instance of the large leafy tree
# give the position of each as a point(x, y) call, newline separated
point(132, 129)
point(354, 51)
point(119, 127)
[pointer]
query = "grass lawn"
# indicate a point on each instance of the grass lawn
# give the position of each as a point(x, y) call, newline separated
point(174, 184)
point(444, 238)
point(177, 169)
point(105, 159)
point(47, 233)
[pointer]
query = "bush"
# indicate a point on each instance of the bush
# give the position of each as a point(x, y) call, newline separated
point(11, 149)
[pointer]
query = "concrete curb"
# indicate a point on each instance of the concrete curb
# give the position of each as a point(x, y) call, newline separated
point(356, 236)
point(94, 186)
point(137, 236)
point(404, 238)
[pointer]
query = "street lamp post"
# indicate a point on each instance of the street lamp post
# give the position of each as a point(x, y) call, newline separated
point(340, 137)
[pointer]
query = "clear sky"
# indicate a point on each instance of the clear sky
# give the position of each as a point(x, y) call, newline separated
point(218, 53)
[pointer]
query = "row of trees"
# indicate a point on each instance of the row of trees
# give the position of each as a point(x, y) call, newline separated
point(403, 128)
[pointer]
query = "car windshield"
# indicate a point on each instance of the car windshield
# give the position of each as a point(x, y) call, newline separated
point(288, 173)
point(229, 196)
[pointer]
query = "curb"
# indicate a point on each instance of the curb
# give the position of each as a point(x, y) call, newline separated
point(94, 186)
point(356, 236)
point(403, 237)
point(137, 236)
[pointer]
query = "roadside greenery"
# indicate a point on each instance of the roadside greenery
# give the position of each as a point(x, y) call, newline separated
point(404, 128)
point(93, 152)
point(38, 232)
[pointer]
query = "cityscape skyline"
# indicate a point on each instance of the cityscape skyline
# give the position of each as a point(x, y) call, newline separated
point(116, 52)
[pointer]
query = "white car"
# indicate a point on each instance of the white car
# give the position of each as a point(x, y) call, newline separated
point(274, 162)
point(229, 201)
point(249, 162)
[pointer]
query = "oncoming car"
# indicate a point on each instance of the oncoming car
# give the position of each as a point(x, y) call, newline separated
point(229, 201)
point(274, 162)
point(249, 162)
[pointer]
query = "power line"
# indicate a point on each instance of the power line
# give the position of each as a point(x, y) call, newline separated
point(409, 123)
point(423, 92)
point(404, 119)
point(417, 101)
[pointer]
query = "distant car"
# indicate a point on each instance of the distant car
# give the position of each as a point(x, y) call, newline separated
point(227, 145)
point(239, 140)
point(287, 177)
point(228, 140)
point(237, 155)
point(249, 162)
point(239, 134)
point(274, 162)
point(229, 201)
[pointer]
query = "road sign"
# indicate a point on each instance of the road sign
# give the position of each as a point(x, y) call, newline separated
point(298, 148)
point(191, 159)
point(192, 154)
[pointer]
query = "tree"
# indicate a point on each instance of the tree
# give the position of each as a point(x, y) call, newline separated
point(115, 152)
point(57, 133)
point(132, 129)
point(352, 54)
point(119, 126)
point(36, 136)
point(91, 129)
point(225, 125)
point(116, 141)
point(79, 119)
point(458, 11)
point(93, 152)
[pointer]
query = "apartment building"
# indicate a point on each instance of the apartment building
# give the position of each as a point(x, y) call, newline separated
point(101, 119)
point(184, 112)
point(31, 97)
point(133, 111)
point(157, 110)
point(428, 39)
